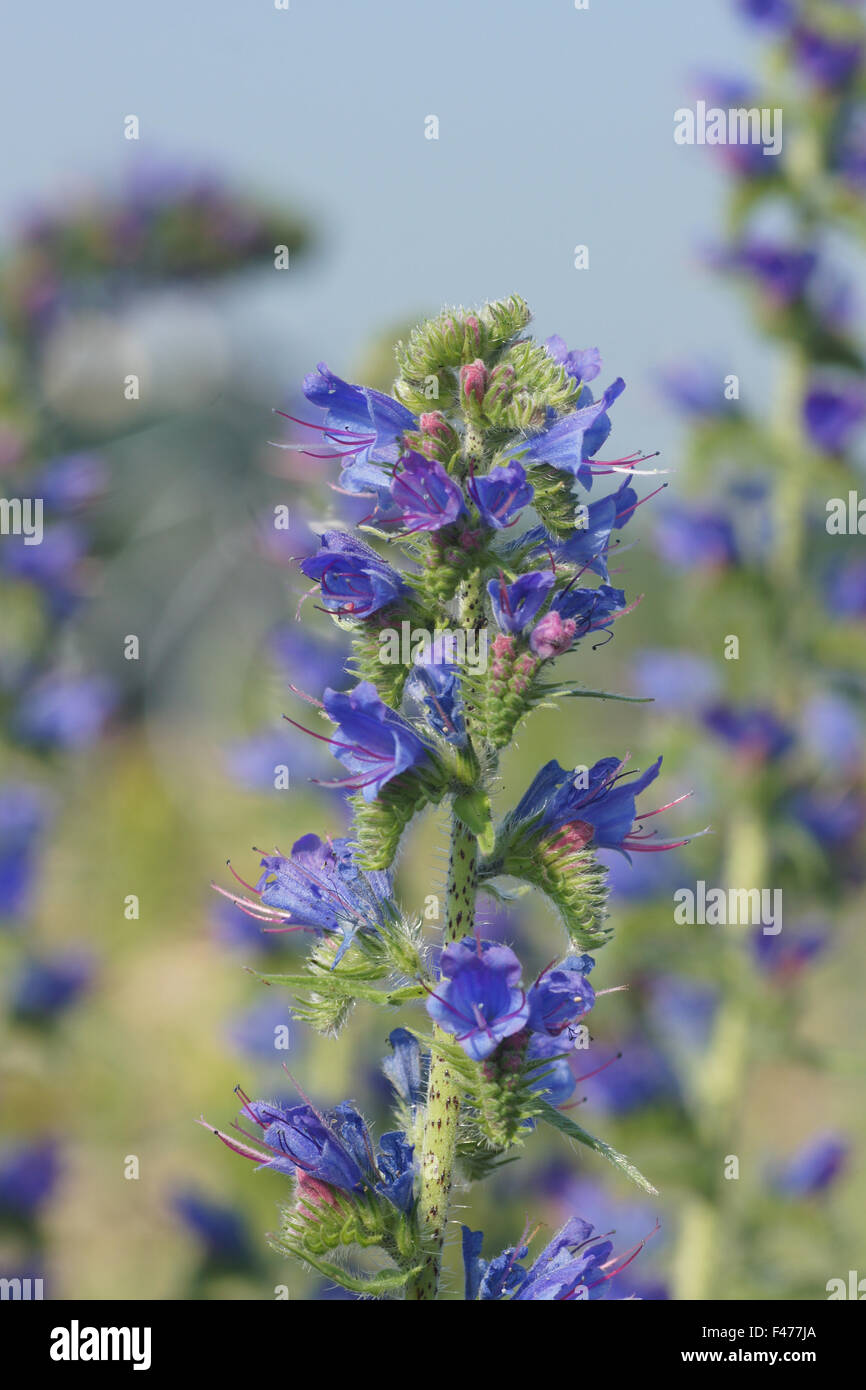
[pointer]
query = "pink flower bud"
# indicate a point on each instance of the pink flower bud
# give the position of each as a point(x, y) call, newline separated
point(473, 380)
point(553, 635)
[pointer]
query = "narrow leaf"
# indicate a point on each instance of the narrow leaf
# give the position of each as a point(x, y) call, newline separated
point(567, 1126)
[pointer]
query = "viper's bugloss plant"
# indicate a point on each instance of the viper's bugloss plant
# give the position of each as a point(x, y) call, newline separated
point(477, 471)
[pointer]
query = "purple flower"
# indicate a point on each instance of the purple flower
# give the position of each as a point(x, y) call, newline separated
point(24, 814)
point(221, 1231)
point(372, 741)
point(833, 818)
point(426, 497)
point(568, 443)
point(254, 1032)
point(589, 609)
point(685, 1011)
point(695, 538)
point(583, 364)
point(825, 61)
point(753, 732)
point(500, 494)
point(574, 1265)
point(635, 1076)
point(677, 681)
point(354, 581)
point(696, 388)
point(68, 712)
point(432, 690)
point(479, 999)
point(833, 731)
point(317, 888)
point(590, 807)
point(555, 1081)
point(846, 590)
point(832, 414)
point(784, 956)
point(515, 605)
point(403, 1067)
point(68, 483)
point(51, 566)
point(781, 272)
point(560, 996)
point(771, 14)
point(361, 425)
point(42, 990)
point(28, 1176)
point(588, 546)
point(813, 1168)
point(327, 1150)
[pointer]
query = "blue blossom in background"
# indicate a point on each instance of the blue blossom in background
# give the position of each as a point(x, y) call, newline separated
point(832, 415)
point(42, 990)
point(678, 681)
point(813, 1169)
point(695, 537)
point(29, 1174)
point(66, 712)
point(785, 955)
point(753, 732)
point(25, 811)
point(220, 1230)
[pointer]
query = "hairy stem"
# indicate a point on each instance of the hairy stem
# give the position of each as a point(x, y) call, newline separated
point(443, 1097)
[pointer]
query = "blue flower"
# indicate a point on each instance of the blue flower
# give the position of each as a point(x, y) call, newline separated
point(828, 62)
point(832, 414)
point(813, 1168)
point(361, 425)
point(52, 566)
point(554, 1082)
point(772, 14)
point(318, 888)
point(832, 817)
point(784, 955)
point(677, 681)
point(254, 1032)
point(500, 494)
point(754, 732)
point(403, 1067)
point(70, 482)
point(635, 1076)
point(372, 740)
point(479, 999)
point(515, 605)
point(781, 272)
point(44, 989)
point(589, 807)
point(326, 1150)
point(588, 546)
point(583, 364)
point(561, 995)
point(221, 1230)
point(695, 538)
point(568, 443)
point(24, 814)
point(574, 1265)
point(68, 712)
point(28, 1176)
point(433, 688)
point(354, 581)
point(426, 498)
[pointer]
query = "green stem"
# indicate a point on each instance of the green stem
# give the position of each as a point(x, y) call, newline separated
point(443, 1096)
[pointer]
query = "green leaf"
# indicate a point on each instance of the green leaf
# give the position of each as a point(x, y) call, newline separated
point(574, 692)
point(567, 1126)
point(387, 1281)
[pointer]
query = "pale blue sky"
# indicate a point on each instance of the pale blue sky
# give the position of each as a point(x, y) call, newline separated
point(555, 128)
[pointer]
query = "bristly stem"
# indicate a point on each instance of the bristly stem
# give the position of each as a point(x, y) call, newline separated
point(443, 1097)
